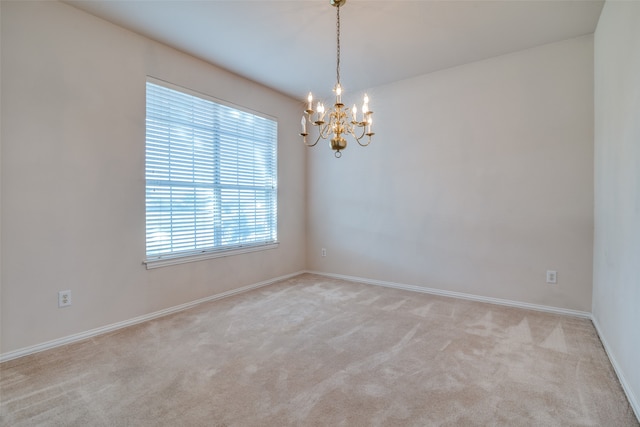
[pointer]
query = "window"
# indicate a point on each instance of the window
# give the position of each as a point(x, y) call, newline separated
point(211, 177)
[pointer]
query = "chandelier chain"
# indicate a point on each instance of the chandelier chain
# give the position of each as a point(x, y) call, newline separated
point(338, 43)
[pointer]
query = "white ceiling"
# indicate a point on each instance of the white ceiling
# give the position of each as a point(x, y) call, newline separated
point(291, 45)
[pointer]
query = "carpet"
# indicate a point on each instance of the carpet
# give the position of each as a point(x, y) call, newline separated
point(314, 351)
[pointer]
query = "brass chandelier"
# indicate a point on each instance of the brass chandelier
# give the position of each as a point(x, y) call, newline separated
point(340, 121)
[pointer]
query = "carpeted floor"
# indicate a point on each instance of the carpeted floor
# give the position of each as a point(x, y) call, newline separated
point(313, 351)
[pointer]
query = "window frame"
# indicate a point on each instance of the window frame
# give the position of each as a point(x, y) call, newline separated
point(161, 260)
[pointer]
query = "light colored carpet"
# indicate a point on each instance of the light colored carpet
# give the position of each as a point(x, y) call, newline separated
point(312, 351)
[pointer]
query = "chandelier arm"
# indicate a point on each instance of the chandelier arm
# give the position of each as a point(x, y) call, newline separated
point(356, 137)
point(304, 139)
point(362, 135)
point(368, 141)
point(323, 130)
point(349, 128)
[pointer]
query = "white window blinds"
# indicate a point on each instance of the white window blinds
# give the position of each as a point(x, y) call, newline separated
point(211, 176)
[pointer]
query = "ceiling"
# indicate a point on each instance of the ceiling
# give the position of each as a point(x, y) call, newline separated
point(291, 45)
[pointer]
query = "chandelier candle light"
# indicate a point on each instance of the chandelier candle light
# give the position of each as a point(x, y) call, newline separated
point(340, 120)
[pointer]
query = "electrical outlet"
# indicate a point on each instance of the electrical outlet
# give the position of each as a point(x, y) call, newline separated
point(324, 252)
point(64, 299)
point(552, 276)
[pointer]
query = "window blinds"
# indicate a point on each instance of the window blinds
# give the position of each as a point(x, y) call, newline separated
point(210, 176)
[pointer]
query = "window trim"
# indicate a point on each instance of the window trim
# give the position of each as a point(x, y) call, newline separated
point(174, 259)
point(214, 252)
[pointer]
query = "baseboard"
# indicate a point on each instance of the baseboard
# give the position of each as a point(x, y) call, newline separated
point(424, 290)
point(119, 325)
point(616, 367)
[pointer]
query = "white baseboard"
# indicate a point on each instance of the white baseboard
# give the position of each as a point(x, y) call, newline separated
point(119, 325)
point(425, 290)
point(616, 367)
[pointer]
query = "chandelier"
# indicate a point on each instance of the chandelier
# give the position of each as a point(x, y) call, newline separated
point(338, 120)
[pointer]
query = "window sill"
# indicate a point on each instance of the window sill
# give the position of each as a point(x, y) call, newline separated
point(182, 259)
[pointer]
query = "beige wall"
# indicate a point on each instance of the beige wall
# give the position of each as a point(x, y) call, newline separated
point(616, 293)
point(73, 110)
point(479, 179)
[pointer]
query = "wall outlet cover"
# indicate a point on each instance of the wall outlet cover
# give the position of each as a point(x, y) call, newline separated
point(64, 298)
